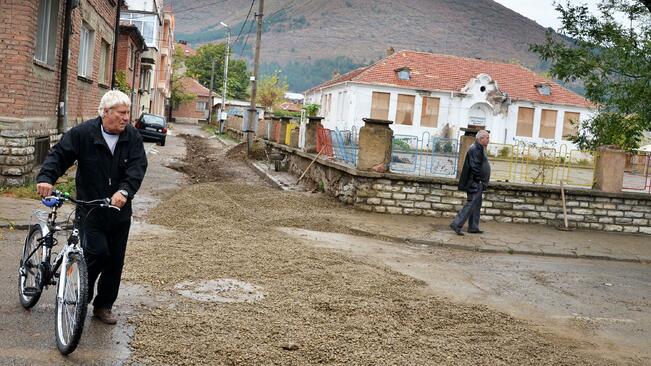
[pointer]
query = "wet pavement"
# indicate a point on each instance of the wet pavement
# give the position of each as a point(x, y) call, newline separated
point(28, 335)
point(605, 304)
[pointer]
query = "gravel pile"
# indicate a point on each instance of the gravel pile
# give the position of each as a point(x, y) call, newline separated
point(320, 306)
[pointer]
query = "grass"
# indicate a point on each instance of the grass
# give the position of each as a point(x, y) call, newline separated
point(29, 190)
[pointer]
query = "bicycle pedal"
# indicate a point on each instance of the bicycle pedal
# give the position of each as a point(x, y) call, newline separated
point(30, 291)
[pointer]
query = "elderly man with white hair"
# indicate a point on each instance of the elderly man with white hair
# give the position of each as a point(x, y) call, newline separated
point(474, 178)
point(111, 162)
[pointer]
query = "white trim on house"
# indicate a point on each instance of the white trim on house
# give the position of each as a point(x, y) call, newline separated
point(345, 104)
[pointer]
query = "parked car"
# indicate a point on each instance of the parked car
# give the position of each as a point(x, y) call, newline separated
point(152, 128)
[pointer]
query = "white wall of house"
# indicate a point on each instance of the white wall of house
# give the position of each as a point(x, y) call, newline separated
point(350, 102)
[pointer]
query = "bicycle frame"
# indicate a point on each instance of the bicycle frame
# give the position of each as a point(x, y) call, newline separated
point(47, 242)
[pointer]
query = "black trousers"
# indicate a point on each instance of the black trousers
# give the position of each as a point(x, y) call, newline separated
point(470, 211)
point(104, 240)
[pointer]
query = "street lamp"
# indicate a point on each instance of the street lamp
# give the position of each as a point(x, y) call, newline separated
point(224, 115)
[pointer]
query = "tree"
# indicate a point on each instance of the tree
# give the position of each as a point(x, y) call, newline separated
point(271, 91)
point(199, 67)
point(611, 59)
point(178, 95)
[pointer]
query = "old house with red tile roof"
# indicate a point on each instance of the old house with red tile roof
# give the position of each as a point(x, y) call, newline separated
point(195, 110)
point(423, 92)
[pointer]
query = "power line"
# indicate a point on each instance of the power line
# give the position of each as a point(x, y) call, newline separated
point(244, 24)
point(246, 39)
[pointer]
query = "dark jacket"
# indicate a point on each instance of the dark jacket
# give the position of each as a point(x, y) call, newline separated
point(476, 171)
point(99, 173)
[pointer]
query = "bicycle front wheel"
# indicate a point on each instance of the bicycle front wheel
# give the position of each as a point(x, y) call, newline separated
point(29, 274)
point(71, 303)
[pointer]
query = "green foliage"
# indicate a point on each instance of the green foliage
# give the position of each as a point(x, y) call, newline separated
point(311, 109)
point(199, 67)
point(284, 113)
point(609, 128)
point(29, 190)
point(611, 59)
point(271, 91)
point(178, 95)
point(504, 152)
point(121, 82)
point(304, 75)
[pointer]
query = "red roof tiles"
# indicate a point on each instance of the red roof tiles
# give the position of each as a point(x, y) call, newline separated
point(190, 85)
point(435, 72)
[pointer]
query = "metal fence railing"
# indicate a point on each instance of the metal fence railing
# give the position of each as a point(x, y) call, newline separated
point(424, 156)
point(339, 145)
point(637, 171)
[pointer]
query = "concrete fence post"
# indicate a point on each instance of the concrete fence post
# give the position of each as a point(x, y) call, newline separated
point(375, 139)
point(284, 122)
point(310, 133)
point(609, 169)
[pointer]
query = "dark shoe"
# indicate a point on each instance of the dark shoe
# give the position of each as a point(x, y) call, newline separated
point(476, 231)
point(105, 316)
point(456, 229)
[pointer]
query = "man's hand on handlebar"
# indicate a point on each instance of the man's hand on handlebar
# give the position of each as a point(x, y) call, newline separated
point(44, 189)
point(118, 200)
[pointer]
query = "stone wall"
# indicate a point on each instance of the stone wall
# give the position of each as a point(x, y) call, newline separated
point(438, 197)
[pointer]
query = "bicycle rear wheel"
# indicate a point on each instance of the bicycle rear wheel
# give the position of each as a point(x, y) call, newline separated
point(29, 276)
point(71, 303)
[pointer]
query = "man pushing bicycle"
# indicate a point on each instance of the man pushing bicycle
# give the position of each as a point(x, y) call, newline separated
point(111, 163)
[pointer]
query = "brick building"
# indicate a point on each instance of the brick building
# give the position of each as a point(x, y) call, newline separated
point(131, 45)
point(195, 110)
point(31, 41)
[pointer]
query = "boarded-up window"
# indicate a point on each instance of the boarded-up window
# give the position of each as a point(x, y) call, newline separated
point(548, 124)
point(429, 116)
point(41, 148)
point(405, 111)
point(380, 105)
point(525, 122)
point(568, 128)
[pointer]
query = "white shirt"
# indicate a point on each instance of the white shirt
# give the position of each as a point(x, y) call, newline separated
point(111, 139)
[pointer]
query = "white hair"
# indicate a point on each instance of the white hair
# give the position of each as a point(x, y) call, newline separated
point(111, 99)
point(481, 134)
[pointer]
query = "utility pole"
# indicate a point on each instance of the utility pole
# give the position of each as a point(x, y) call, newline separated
point(253, 115)
point(210, 100)
point(223, 114)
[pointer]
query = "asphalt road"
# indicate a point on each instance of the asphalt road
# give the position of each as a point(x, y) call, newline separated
point(27, 336)
point(604, 304)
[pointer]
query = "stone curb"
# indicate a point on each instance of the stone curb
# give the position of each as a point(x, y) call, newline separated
point(475, 248)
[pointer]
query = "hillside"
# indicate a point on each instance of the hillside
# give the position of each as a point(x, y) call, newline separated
point(321, 36)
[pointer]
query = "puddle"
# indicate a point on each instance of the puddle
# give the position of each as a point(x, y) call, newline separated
point(224, 290)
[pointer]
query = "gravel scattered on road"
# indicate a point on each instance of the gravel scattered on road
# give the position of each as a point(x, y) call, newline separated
point(320, 306)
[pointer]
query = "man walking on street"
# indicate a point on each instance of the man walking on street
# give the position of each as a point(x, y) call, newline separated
point(474, 179)
point(111, 162)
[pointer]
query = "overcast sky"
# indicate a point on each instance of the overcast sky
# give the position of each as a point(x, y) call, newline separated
point(542, 11)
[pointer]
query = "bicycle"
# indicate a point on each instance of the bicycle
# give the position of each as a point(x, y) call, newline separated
point(37, 271)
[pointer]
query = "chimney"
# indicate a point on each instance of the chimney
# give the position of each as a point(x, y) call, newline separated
point(335, 73)
point(390, 51)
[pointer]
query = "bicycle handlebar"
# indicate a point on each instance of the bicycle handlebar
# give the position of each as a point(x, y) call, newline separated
point(57, 198)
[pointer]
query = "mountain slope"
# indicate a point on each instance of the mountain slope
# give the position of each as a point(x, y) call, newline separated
point(304, 31)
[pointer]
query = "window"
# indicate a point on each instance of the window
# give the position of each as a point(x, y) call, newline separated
point(403, 75)
point(568, 128)
point(41, 148)
point(548, 124)
point(405, 112)
point(86, 44)
point(380, 105)
point(525, 122)
point(104, 63)
point(201, 106)
point(429, 116)
point(146, 23)
point(46, 33)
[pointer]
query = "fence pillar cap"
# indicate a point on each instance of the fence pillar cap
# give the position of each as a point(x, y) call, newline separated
point(315, 118)
point(375, 121)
